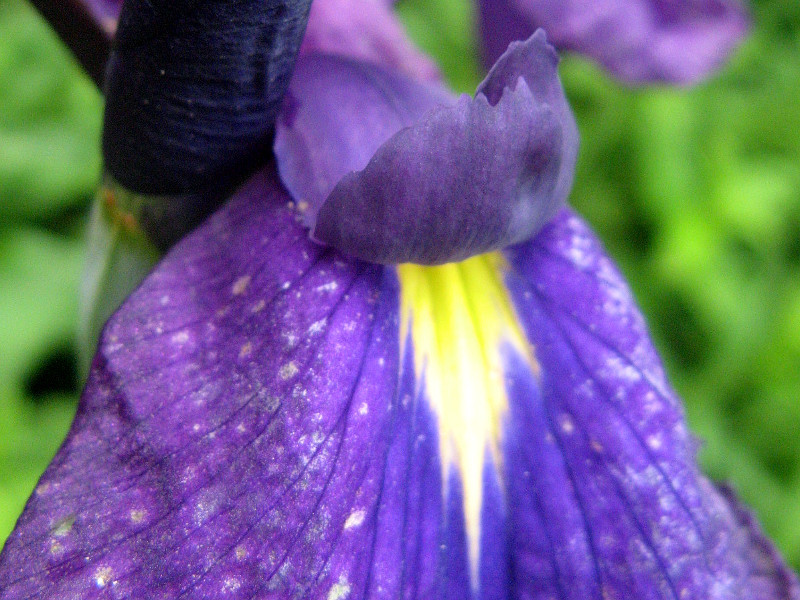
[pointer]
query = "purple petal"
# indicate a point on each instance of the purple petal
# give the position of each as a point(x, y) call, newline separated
point(242, 434)
point(337, 113)
point(252, 429)
point(366, 30)
point(491, 170)
point(604, 491)
point(678, 41)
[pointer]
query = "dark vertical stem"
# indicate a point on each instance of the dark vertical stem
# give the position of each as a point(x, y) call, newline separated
point(83, 34)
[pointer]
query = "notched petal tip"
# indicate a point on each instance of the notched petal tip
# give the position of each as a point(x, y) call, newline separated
point(439, 181)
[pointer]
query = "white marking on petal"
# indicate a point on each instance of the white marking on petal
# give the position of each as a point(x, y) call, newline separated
point(356, 519)
point(339, 590)
point(102, 576)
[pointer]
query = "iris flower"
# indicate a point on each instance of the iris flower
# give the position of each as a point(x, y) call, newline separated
point(445, 391)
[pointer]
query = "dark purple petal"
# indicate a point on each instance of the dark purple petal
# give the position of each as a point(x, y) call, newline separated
point(248, 430)
point(674, 41)
point(193, 88)
point(604, 493)
point(387, 176)
point(366, 30)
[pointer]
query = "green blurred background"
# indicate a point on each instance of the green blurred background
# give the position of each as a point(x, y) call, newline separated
point(696, 193)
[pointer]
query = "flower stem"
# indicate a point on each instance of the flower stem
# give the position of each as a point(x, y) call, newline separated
point(81, 31)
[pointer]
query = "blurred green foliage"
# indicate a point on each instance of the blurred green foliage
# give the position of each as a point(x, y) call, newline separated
point(695, 192)
point(49, 164)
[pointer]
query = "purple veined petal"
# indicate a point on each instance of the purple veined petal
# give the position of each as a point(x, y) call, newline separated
point(639, 41)
point(248, 431)
point(604, 492)
point(366, 30)
point(492, 170)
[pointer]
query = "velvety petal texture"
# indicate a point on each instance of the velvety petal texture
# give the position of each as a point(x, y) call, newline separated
point(258, 425)
point(193, 89)
point(420, 177)
point(672, 41)
point(365, 30)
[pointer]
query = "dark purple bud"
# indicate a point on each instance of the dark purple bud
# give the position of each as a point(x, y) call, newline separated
point(192, 90)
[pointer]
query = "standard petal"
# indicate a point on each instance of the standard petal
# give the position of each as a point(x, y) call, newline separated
point(336, 114)
point(458, 180)
point(636, 40)
point(248, 430)
point(603, 489)
point(366, 30)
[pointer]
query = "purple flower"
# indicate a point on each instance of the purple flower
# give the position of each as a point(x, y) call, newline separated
point(272, 417)
point(673, 41)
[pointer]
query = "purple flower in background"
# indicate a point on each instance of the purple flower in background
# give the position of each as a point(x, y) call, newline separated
point(449, 394)
point(673, 41)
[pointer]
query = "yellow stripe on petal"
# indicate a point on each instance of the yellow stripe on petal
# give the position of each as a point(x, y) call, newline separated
point(460, 316)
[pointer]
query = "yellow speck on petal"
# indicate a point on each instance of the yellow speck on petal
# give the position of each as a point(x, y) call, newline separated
point(288, 371)
point(460, 317)
point(137, 515)
point(245, 350)
point(240, 285)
